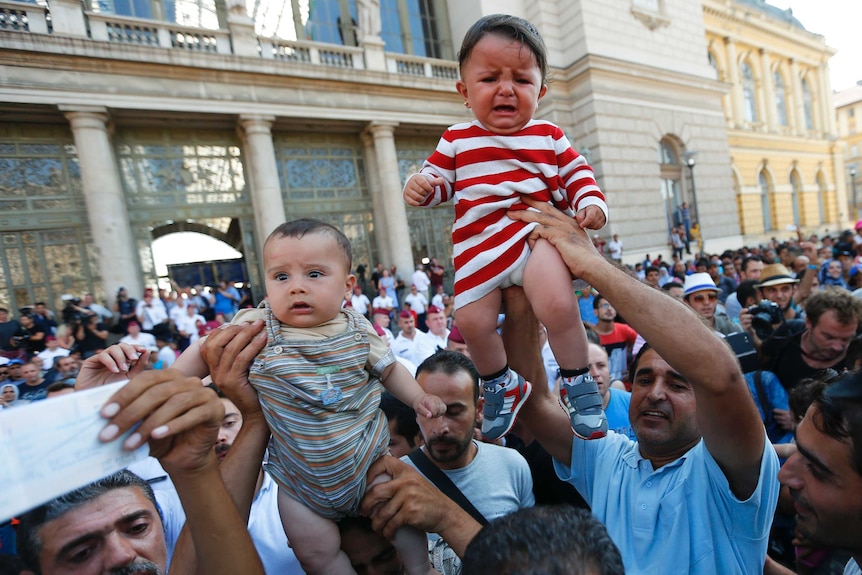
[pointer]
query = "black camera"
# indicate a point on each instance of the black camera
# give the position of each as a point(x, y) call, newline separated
point(763, 316)
point(71, 312)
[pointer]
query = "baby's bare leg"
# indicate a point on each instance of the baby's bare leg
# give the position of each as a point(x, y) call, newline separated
point(412, 544)
point(548, 285)
point(315, 540)
point(477, 322)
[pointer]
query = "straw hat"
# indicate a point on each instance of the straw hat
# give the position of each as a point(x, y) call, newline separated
point(775, 274)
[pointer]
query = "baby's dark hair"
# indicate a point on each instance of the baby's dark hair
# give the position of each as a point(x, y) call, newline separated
point(299, 228)
point(510, 27)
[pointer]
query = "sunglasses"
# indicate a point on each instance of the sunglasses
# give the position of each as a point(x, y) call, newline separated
point(702, 297)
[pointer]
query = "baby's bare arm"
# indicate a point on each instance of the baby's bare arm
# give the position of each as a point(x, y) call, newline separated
point(419, 187)
point(398, 381)
point(591, 217)
point(191, 362)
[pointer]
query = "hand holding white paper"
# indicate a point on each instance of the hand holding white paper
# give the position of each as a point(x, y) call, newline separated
point(51, 447)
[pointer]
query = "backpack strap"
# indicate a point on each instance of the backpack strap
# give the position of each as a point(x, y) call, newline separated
point(444, 484)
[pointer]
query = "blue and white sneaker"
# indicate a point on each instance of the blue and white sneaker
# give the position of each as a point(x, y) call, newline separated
point(503, 400)
point(581, 399)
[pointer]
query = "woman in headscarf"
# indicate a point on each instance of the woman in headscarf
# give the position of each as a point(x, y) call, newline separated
point(8, 395)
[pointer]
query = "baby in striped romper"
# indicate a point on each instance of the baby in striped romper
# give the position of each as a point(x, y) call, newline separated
point(319, 383)
point(486, 166)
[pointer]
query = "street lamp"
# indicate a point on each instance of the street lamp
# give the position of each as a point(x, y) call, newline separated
point(853, 188)
point(689, 159)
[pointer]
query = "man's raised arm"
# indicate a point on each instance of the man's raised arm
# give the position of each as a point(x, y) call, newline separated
point(726, 414)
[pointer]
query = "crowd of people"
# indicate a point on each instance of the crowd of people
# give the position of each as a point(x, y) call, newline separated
point(695, 426)
point(712, 406)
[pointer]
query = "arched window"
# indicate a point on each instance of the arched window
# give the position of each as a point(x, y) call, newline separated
point(749, 95)
point(796, 186)
point(780, 99)
point(667, 154)
point(806, 105)
point(671, 174)
point(765, 208)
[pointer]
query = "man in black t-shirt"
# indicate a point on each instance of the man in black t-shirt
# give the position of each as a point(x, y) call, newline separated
point(803, 349)
point(8, 328)
point(30, 337)
point(35, 387)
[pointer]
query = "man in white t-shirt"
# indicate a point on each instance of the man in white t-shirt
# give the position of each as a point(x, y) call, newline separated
point(359, 301)
point(418, 304)
point(615, 249)
point(437, 330)
point(421, 280)
point(411, 343)
point(52, 350)
point(437, 300)
point(383, 301)
point(188, 325)
point(138, 337)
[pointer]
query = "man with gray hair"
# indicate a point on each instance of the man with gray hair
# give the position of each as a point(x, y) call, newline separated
point(113, 525)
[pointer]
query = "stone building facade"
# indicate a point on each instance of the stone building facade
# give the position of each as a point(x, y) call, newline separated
point(122, 122)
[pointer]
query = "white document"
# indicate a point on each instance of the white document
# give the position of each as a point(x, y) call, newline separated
point(50, 447)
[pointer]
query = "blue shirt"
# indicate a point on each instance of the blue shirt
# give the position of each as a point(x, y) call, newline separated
point(776, 396)
point(679, 519)
point(617, 412)
point(588, 312)
point(264, 527)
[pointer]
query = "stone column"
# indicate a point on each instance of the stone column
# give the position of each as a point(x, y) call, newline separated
point(106, 205)
point(798, 115)
point(265, 187)
point(845, 215)
point(377, 201)
point(768, 92)
point(396, 230)
point(830, 127)
point(736, 83)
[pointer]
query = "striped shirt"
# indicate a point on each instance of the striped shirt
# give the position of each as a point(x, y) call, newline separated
point(321, 399)
point(486, 174)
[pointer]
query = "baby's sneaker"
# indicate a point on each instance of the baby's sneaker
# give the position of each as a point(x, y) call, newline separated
point(504, 397)
point(580, 396)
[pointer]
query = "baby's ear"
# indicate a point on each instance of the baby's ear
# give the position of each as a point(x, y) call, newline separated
point(349, 285)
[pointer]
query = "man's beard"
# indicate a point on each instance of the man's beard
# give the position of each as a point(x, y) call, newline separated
point(138, 567)
point(461, 448)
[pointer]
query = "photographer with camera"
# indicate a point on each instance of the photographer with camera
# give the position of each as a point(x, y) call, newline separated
point(777, 289)
point(30, 337)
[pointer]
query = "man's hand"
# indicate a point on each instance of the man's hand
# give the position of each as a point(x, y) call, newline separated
point(116, 363)
point(784, 419)
point(564, 233)
point(409, 499)
point(591, 217)
point(419, 187)
point(179, 417)
point(229, 352)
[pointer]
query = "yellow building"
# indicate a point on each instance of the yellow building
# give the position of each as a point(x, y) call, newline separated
point(848, 110)
point(787, 166)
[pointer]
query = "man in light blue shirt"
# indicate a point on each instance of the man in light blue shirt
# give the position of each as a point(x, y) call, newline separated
point(696, 493)
point(615, 402)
